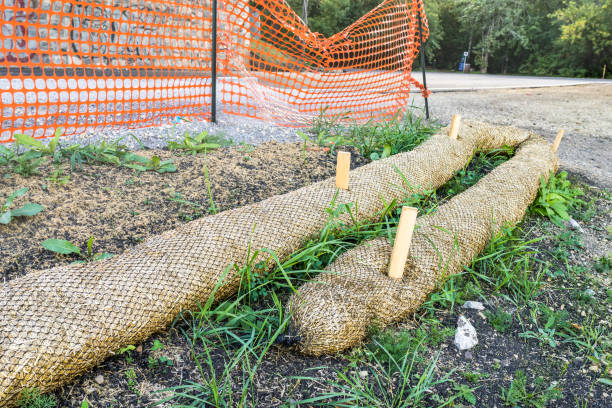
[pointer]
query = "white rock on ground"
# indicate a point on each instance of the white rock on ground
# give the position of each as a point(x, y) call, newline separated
point(465, 336)
point(470, 304)
point(573, 224)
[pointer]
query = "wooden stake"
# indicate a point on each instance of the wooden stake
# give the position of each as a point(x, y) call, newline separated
point(454, 127)
point(558, 140)
point(403, 238)
point(343, 166)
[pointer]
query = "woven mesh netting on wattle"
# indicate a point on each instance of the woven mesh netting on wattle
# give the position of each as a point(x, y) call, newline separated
point(109, 64)
point(57, 323)
point(334, 311)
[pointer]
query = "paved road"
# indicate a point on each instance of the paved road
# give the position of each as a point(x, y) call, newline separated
point(456, 81)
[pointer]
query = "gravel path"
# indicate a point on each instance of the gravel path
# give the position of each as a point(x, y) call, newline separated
point(585, 112)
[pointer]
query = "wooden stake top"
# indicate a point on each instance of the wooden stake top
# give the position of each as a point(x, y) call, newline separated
point(403, 239)
point(454, 126)
point(343, 167)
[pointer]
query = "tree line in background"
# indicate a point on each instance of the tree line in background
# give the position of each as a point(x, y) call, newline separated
point(536, 37)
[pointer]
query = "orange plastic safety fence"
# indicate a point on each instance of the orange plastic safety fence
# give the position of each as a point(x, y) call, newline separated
point(110, 64)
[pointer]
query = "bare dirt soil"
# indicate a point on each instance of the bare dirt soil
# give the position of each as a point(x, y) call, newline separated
point(583, 111)
point(120, 207)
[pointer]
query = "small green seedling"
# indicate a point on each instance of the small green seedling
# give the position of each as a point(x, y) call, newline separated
point(127, 350)
point(160, 361)
point(539, 396)
point(26, 210)
point(140, 163)
point(157, 345)
point(200, 143)
point(132, 380)
point(58, 177)
point(64, 247)
point(25, 164)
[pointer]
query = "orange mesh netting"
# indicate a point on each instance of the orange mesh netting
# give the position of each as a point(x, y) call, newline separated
point(111, 64)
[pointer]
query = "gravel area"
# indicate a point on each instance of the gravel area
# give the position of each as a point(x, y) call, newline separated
point(584, 112)
point(238, 129)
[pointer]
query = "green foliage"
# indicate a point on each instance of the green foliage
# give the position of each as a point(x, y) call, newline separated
point(195, 209)
point(478, 165)
point(603, 264)
point(556, 324)
point(586, 35)
point(495, 24)
point(25, 164)
point(374, 140)
point(507, 265)
point(517, 394)
point(201, 143)
point(474, 376)
point(465, 393)
point(132, 379)
point(239, 334)
point(556, 197)
point(26, 210)
point(29, 153)
point(500, 320)
point(32, 398)
point(160, 361)
point(96, 153)
point(331, 16)
point(388, 345)
point(157, 345)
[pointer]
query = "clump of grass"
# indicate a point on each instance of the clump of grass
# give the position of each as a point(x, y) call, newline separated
point(499, 320)
point(374, 140)
point(391, 381)
point(32, 398)
point(539, 396)
point(508, 266)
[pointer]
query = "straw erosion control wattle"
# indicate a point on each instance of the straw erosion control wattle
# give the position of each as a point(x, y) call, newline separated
point(57, 323)
point(334, 311)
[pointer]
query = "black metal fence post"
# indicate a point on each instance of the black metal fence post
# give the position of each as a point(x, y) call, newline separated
point(213, 68)
point(422, 52)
